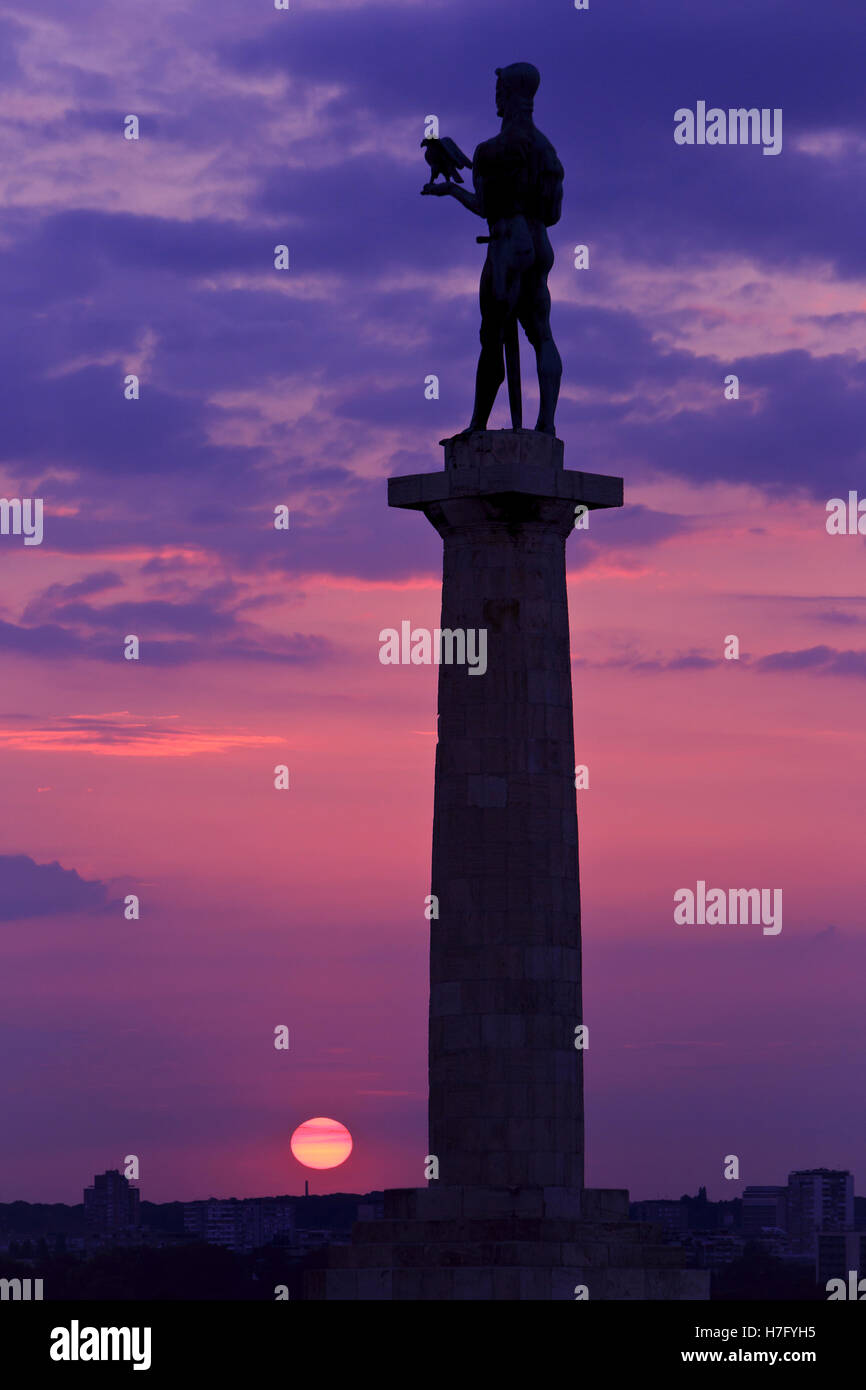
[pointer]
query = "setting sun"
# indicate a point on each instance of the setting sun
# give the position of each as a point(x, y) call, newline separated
point(321, 1143)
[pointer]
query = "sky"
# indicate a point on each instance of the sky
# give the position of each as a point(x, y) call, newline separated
point(259, 388)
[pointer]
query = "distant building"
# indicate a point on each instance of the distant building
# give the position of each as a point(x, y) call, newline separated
point(712, 1250)
point(269, 1218)
point(239, 1225)
point(839, 1252)
point(773, 1240)
point(111, 1204)
point(764, 1208)
point(819, 1199)
point(673, 1217)
point(218, 1221)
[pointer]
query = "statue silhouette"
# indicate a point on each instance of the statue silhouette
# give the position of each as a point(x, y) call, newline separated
point(517, 179)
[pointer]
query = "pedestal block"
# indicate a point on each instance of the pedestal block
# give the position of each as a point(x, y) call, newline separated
point(466, 1243)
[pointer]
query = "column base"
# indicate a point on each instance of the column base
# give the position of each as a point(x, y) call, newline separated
point(466, 1243)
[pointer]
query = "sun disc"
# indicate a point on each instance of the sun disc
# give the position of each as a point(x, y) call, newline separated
point(321, 1143)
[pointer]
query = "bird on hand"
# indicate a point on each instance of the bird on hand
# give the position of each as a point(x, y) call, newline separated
point(445, 157)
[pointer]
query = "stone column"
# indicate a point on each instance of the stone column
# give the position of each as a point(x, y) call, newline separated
point(506, 1087)
point(509, 1217)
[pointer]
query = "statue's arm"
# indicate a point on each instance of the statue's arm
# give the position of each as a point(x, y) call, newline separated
point(556, 203)
point(472, 201)
point(553, 193)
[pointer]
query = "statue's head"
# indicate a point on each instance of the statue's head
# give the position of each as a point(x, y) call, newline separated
point(516, 86)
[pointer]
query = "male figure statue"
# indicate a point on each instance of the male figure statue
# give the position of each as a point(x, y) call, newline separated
point(518, 188)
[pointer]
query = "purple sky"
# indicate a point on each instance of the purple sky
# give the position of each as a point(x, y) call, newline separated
point(306, 387)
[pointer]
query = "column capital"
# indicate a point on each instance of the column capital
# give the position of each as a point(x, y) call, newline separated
point(502, 463)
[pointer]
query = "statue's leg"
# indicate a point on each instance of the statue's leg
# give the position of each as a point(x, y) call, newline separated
point(534, 315)
point(491, 367)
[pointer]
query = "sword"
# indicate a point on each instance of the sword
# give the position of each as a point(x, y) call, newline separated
point(512, 372)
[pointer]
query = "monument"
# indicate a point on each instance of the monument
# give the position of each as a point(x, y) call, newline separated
point(508, 1216)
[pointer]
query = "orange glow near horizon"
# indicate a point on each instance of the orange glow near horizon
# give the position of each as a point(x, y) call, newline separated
point(321, 1143)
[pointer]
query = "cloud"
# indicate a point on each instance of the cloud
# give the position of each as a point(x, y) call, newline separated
point(124, 734)
point(28, 889)
point(633, 661)
point(838, 618)
point(821, 660)
point(252, 380)
point(191, 626)
point(57, 594)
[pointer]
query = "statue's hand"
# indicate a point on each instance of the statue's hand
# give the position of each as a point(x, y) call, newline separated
point(436, 188)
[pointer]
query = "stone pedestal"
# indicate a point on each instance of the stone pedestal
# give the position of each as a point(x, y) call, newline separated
point(483, 1244)
point(508, 1217)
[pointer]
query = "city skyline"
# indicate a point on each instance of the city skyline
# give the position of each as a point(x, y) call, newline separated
point(755, 1187)
point(812, 1228)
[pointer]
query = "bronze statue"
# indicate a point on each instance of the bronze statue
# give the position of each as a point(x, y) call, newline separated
point(518, 188)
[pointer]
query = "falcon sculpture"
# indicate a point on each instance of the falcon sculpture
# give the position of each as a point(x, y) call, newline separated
point(445, 157)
